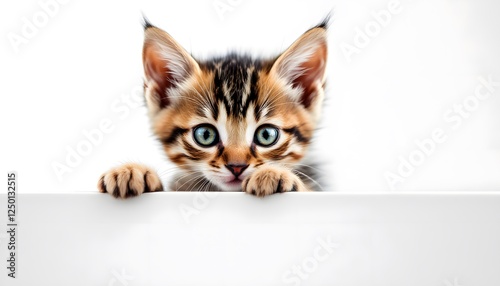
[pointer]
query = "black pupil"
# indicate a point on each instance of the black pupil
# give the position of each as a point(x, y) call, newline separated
point(265, 134)
point(206, 134)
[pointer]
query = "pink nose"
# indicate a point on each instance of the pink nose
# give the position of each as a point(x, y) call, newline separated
point(236, 169)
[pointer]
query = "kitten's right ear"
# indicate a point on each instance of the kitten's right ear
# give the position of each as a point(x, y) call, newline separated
point(303, 66)
point(166, 66)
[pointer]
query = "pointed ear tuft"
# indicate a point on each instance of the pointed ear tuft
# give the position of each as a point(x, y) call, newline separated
point(303, 64)
point(325, 23)
point(166, 66)
point(145, 23)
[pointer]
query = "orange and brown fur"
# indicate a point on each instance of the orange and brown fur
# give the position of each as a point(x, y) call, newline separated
point(231, 123)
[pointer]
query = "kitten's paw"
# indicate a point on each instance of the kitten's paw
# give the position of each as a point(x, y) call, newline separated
point(269, 180)
point(129, 180)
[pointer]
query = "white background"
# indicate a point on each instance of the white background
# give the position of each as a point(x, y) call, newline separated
point(80, 66)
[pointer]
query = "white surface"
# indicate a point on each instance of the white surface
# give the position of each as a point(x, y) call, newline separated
point(81, 67)
point(237, 239)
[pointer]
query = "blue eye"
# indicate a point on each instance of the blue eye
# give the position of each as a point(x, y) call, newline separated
point(266, 135)
point(206, 135)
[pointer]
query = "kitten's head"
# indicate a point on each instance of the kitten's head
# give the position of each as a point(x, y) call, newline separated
point(228, 116)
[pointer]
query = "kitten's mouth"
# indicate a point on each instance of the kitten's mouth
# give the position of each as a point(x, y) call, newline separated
point(234, 182)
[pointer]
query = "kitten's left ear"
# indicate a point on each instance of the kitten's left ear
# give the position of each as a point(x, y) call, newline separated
point(303, 65)
point(166, 66)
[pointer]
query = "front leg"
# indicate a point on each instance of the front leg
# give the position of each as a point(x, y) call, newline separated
point(268, 180)
point(129, 180)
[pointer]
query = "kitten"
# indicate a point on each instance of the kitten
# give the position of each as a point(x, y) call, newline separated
point(232, 123)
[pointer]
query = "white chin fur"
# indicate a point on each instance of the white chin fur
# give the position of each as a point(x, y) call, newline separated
point(228, 188)
point(222, 185)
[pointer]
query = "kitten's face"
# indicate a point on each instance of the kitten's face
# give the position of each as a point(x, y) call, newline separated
point(222, 119)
